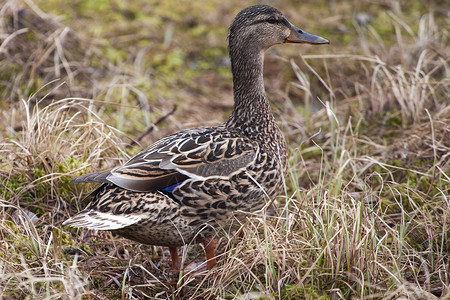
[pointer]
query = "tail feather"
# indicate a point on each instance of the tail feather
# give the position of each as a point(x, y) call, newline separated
point(102, 221)
point(93, 177)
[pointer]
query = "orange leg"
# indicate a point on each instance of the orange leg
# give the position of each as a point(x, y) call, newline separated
point(176, 261)
point(210, 255)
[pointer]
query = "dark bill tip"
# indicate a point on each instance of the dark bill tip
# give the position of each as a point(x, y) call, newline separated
point(299, 36)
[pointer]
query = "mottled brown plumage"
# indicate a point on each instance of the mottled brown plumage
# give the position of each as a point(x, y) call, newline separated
point(185, 186)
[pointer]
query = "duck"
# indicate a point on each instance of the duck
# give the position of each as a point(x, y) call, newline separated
point(193, 184)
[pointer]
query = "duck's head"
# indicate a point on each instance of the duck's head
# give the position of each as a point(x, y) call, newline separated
point(262, 26)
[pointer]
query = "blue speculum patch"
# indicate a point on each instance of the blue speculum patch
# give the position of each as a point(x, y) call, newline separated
point(170, 188)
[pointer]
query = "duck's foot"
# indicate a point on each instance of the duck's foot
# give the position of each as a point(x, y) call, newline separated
point(196, 268)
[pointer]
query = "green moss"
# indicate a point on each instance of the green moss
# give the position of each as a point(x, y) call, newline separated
point(96, 282)
point(115, 55)
point(64, 187)
point(11, 185)
point(394, 119)
point(383, 25)
point(302, 292)
point(101, 7)
point(9, 70)
point(168, 63)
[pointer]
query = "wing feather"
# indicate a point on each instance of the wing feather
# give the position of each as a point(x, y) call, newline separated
point(194, 153)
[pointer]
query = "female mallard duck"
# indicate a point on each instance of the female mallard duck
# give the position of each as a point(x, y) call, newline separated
point(185, 186)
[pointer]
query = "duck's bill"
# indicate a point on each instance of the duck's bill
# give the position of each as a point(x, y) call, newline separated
point(299, 36)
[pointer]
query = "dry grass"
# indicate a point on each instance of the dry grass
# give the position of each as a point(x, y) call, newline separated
point(366, 208)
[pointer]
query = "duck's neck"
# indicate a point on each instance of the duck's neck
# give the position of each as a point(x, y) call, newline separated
point(251, 109)
point(251, 112)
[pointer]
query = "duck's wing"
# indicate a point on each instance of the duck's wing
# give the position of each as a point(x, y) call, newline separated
point(194, 153)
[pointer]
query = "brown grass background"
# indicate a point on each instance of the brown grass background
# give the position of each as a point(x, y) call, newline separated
point(365, 213)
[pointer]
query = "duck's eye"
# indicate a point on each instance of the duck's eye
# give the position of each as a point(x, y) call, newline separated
point(272, 20)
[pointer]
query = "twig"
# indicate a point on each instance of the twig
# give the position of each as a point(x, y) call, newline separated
point(150, 129)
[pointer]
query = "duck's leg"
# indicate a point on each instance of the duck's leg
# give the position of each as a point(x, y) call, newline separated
point(200, 267)
point(209, 243)
point(176, 261)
